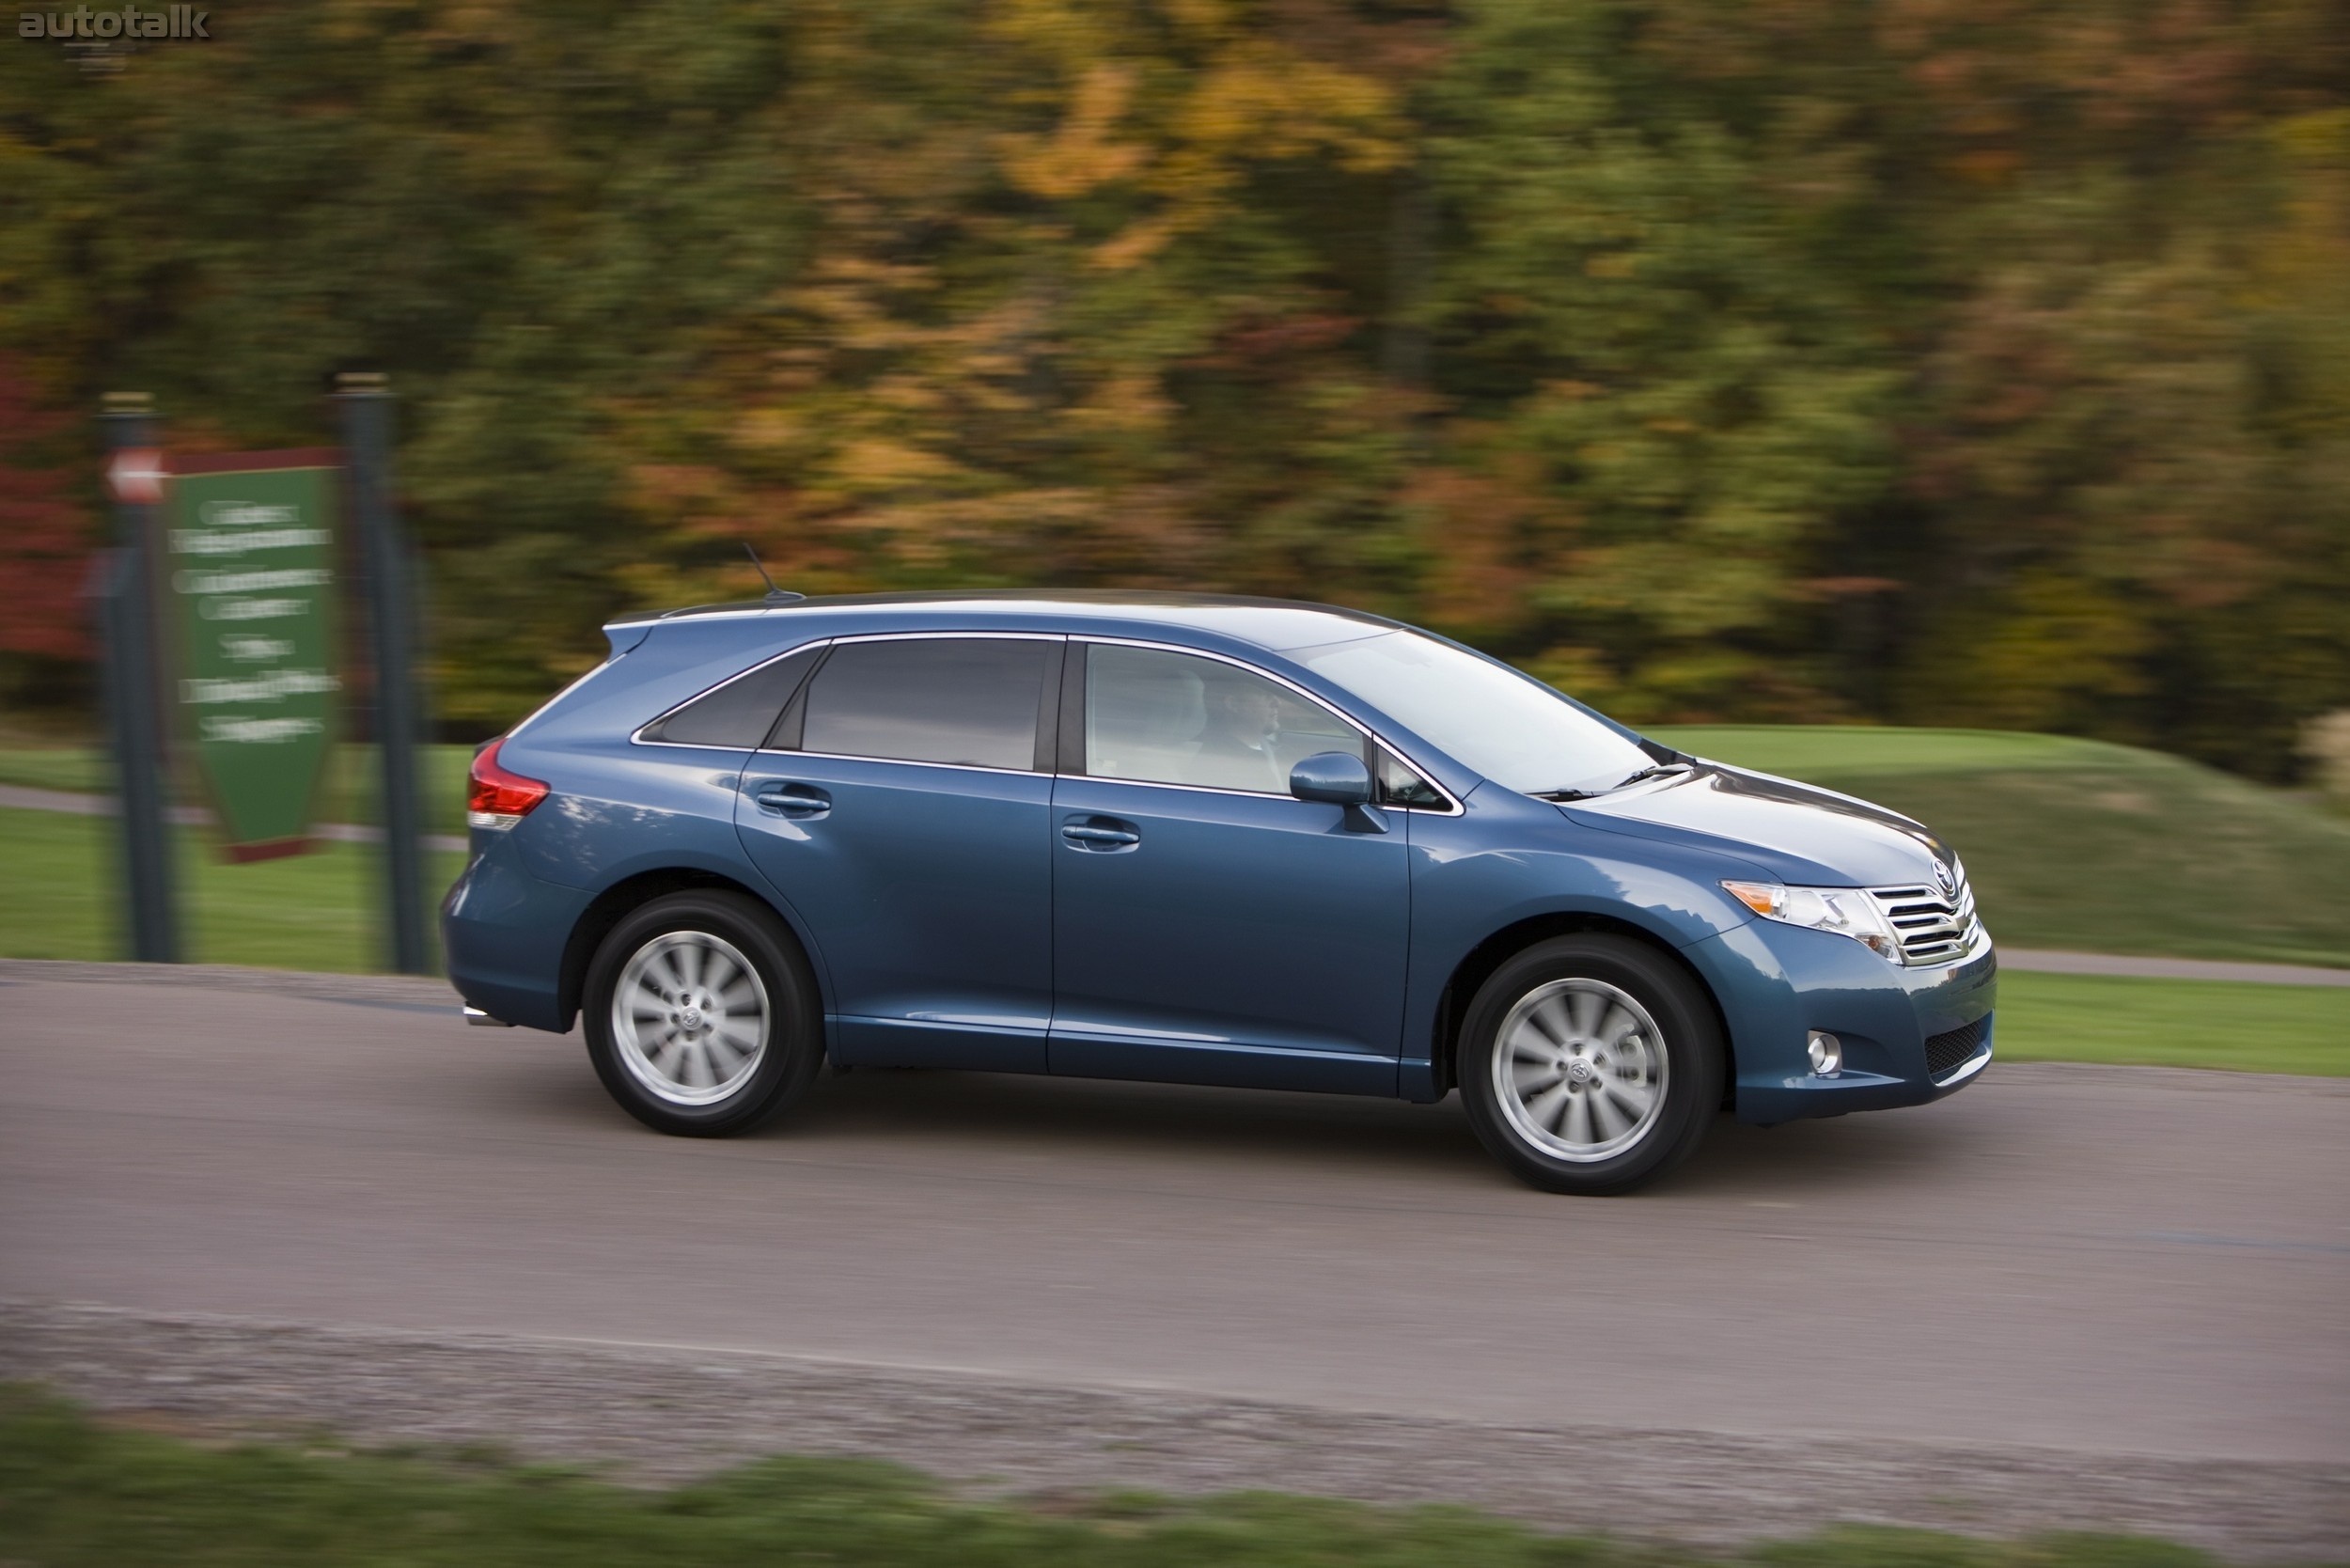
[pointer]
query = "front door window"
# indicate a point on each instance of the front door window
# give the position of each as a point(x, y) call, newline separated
point(1172, 718)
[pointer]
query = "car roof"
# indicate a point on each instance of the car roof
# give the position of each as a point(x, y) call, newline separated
point(1269, 624)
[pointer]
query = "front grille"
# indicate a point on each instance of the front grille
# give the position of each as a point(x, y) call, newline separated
point(1935, 927)
point(1946, 1052)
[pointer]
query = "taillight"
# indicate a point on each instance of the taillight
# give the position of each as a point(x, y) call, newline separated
point(499, 799)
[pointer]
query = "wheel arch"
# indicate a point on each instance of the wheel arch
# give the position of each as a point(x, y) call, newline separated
point(611, 906)
point(1477, 965)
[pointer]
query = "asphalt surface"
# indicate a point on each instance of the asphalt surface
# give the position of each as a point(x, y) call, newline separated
point(2103, 1260)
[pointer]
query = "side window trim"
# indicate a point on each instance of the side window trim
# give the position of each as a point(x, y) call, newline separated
point(1071, 757)
point(1048, 701)
point(791, 727)
point(643, 734)
point(1072, 712)
point(1382, 754)
point(784, 735)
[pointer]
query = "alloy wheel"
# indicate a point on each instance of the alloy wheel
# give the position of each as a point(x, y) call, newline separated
point(691, 1017)
point(1579, 1071)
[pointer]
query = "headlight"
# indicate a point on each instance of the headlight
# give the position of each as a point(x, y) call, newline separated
point(1846, 910)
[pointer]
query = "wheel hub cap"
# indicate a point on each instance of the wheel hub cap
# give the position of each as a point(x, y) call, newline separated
point(1579, 1070)
point(690, 1017)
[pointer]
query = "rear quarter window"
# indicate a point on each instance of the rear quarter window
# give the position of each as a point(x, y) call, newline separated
point(740, 712)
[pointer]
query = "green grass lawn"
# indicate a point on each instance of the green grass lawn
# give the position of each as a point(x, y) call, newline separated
point(314, 911)
point(349, 796)
point(2088, 846)
point(2169, 1023)
point(78, 1493)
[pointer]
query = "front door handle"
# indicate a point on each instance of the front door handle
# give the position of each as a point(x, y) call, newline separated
point(1100, 834)
point(780, 798)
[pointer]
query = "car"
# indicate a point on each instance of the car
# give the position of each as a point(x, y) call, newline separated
point(1193, 839)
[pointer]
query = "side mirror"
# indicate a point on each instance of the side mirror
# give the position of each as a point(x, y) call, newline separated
point(1339, 779)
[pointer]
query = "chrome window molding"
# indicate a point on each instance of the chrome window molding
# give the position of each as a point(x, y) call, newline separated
point(1199, 788)
point(904, 762)
point(1452, 808)
point(992, 635)
point(687, 746)
point(636, 736)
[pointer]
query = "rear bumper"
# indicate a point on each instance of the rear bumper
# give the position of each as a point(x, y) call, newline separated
point(1909, 1036)
point(504, 932)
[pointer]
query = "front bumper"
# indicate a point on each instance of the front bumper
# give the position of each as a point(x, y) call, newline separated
point(1909, 1036)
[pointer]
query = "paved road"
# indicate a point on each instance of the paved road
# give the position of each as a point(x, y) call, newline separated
point(2048, 960)
point(2101, 1259)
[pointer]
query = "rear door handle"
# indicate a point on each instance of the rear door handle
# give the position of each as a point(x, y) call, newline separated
point(780, 798)
point(1100, 834)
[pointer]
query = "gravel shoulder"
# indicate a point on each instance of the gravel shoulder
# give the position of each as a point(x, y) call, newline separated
point(647, 1415)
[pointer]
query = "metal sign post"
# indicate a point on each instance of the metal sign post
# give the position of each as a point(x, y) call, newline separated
point(252, 587)
point(134, 474)
point(367, 406)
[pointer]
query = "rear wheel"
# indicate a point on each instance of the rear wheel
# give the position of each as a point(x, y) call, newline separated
point(1591, 1065)
point(701, 1015)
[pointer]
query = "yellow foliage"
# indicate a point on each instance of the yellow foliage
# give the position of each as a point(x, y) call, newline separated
point(1083, 153)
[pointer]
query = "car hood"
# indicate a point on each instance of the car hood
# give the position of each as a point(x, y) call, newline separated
point(1804, 835)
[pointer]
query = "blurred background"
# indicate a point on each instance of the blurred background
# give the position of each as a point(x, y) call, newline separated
point(1953, 364)
point(1947, 402)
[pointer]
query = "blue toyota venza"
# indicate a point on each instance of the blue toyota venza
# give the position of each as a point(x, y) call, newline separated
point(1200, 839)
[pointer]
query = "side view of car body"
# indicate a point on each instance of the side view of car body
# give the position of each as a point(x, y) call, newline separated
point(1198, 840)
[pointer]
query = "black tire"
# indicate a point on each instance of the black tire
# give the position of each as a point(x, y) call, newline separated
point(1581, 1000)
point(710, 929)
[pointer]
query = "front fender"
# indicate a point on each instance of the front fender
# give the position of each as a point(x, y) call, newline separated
point(1508, 859)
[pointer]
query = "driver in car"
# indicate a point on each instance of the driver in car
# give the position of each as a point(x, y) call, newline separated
point(1239, 741)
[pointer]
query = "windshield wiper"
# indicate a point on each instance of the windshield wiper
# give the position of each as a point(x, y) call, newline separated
point(1659, 771)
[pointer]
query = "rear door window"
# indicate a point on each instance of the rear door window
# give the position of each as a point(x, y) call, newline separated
point(972, 701)
point(740, 712)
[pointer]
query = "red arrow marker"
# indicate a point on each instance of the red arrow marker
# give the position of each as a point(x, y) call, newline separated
point(136, 476)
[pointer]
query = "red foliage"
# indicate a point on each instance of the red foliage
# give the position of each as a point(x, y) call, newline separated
point(45, 537)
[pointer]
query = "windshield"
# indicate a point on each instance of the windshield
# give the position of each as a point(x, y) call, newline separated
point(1512, 728)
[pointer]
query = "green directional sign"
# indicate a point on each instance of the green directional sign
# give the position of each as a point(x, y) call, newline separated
point(249, 591)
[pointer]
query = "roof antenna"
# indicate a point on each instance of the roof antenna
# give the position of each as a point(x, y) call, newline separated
point(775, 594)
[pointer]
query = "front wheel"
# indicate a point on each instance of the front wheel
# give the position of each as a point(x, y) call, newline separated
point(701, 1015)
point(1591, 1065)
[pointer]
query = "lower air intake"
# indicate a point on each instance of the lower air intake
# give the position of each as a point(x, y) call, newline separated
point(1946, 1052)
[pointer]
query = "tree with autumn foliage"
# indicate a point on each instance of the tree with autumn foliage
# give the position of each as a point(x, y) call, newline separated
point(45, 538)
point(1945, 361)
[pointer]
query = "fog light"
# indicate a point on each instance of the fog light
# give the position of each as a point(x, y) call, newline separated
point(1828, 1054)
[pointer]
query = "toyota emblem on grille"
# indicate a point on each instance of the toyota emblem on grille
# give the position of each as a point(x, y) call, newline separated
point(1950, 884)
